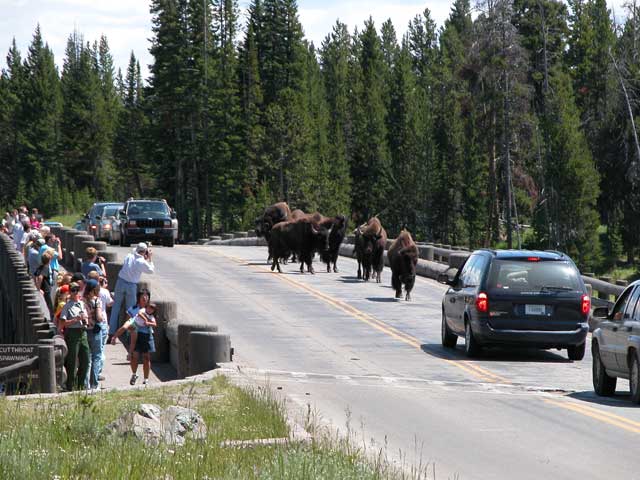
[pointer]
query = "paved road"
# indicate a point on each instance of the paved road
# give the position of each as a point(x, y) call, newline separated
point(373, 365)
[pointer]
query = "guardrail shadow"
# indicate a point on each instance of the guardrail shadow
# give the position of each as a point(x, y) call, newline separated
point(495, 354)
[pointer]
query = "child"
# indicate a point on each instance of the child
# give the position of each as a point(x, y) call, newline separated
point(62, 297)
point(143, 323)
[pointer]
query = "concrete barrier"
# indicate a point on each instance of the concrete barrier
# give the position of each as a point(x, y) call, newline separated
point(208, 349)
point(240, 242)
point(78, 240)
point(99, 246)
point(240, 235)
point(179, 337)
point(456, 260)
point(113, 269)
point(227, 236)
point(166, 313)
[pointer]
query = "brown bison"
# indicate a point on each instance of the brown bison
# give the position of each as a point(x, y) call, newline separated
point(301, 236)
point(338, 231)
point(371, 240)
point(276, 213)
point(403, 258)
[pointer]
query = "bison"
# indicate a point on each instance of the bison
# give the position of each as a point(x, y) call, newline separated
point(338, 231)
point(371, 240)
point(301, 236)
point(403, 258)
point(276, 213)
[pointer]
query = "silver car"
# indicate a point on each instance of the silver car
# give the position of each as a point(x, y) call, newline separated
point(109, 224)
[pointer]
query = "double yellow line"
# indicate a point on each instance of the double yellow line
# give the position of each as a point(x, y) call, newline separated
point(600, 415)
point(468, 367)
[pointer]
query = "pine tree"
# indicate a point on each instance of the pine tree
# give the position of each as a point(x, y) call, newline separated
point(370, 169)
point(334, 59)
point(129, 140)
point(82, 139)
point(12, 87)
point(230, 166)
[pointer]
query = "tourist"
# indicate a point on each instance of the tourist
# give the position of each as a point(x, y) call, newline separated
point(44, 280)
point(74, 319)
point(143, 322)
point(96, 325)
point(135, 264)
point(92, 262)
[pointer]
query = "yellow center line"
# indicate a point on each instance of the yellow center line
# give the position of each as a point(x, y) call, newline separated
point(470, 368)
point(609, 418)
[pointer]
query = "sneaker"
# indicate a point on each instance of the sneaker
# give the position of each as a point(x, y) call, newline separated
point(101, 378)
point(133, 380)
point(144, 382)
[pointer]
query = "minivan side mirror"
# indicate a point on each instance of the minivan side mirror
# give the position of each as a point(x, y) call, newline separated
point(122, 212)
point(600, 312)
point(173, 214)
point(98, 217)
point(444, 278)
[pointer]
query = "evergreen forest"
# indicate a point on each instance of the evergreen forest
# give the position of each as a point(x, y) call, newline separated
point(511, 124)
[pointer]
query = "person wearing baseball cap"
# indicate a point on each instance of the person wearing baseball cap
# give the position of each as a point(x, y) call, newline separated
point(139, 261)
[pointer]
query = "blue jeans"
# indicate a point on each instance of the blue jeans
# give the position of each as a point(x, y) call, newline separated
point(96, 346)
point(124, 291)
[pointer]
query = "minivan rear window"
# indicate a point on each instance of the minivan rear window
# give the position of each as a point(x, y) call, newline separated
point(526, 276)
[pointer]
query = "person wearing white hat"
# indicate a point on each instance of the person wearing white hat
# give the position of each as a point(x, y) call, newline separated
point(134, 265)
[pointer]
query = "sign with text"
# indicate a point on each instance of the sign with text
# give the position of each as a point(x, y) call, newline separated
point(10, 354)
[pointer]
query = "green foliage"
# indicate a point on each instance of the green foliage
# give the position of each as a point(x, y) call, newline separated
point(462, 134)
point(67, 437)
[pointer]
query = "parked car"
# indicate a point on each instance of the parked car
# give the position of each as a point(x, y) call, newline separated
point(50, 224)
point(147, 220)
point(114, 234)
point(93, 218)
point(106, 222)
point(615, 345)
point(516, 297)
point(79, 225)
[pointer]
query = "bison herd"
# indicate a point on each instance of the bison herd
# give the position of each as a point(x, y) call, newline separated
point(298, 236)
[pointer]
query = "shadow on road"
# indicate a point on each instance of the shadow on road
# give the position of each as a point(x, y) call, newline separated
point(621, 399)
point(350, 280)
point(383, 299)
point(495, 354)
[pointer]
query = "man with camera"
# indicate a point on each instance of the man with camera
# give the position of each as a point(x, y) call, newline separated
point(93, 262)
point(135, 264)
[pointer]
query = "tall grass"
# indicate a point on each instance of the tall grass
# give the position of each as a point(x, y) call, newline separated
point(67, 438)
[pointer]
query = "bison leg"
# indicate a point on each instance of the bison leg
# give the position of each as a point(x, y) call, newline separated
point(408, 286)
point(274, 263)
point(359, 271)
point(335, 268)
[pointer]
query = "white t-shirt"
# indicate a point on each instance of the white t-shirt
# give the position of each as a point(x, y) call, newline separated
point(106, 299)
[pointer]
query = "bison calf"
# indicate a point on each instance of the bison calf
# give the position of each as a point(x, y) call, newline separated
point(403, 258)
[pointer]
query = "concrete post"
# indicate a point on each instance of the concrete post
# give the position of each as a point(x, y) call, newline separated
point(207, 350)
point(47, 368)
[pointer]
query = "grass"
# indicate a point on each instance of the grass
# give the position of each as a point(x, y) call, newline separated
point(67, 220)
point(65, 437)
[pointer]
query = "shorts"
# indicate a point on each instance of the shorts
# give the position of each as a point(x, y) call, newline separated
point(145, 343)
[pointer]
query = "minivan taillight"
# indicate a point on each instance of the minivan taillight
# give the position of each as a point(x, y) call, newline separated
point(482, 302)
point(585, 304)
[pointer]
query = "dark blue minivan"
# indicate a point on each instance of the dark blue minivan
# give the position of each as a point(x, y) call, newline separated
point(516, 297)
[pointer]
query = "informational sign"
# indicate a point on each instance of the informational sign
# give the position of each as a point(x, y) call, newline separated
point(16, 353)
point(10, 354)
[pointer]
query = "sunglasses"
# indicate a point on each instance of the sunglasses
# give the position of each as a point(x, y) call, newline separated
point(74, 290)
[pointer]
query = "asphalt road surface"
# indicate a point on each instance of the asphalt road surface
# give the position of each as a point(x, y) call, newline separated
point(373, 366)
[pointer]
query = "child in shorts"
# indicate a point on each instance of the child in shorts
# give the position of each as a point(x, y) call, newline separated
point(143, 323)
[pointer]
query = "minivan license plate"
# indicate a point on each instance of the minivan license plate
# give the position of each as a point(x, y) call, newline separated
point(149, 230)
point(535, 309)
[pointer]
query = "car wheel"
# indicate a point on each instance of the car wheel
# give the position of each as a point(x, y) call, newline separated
point(576, 352)
point(170, 242)
point(634, 378)
point(471, 346)
point(603, 384)
point(449, 339)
